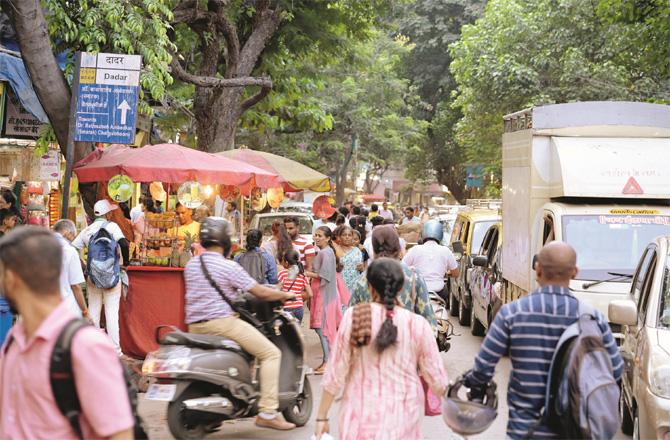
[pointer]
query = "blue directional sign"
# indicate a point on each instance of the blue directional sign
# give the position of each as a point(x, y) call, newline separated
point(107, 98)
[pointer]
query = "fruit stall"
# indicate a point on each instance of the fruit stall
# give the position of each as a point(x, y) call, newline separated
point(155, 291)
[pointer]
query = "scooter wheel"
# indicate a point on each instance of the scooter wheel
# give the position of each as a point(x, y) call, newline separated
point(189, 425)
point(300, 411)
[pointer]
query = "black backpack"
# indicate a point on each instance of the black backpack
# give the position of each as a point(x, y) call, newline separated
point(63, 384)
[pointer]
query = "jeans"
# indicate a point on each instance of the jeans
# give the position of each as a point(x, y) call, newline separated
point(298, 313)
point(253, 342)
point(324, 344)
point(111, 299)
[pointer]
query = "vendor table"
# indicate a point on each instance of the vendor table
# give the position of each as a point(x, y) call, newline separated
point(155, 297)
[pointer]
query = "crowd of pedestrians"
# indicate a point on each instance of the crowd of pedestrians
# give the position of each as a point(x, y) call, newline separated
point(368, 302)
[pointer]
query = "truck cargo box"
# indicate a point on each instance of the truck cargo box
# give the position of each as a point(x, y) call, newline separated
point(578, 151)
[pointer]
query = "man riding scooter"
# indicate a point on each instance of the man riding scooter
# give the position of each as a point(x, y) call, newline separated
point(433, 260)
point(208, 313)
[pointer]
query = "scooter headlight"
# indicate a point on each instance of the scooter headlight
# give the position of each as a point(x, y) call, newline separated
point(166, 361)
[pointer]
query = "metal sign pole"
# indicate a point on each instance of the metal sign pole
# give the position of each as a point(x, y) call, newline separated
point(69, 148)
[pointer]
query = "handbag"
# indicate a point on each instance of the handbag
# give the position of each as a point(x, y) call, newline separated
point(432, 403)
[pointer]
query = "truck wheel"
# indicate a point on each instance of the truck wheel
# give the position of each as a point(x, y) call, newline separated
point(476, 327)
point(300, 411)
point(463, 314)
point(453, 303)
point(625, 415)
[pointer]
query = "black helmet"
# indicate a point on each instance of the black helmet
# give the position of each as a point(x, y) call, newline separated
point(466, 417)
point(214, 232)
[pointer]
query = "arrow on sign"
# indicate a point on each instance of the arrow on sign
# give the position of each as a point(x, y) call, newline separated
point(124, 107)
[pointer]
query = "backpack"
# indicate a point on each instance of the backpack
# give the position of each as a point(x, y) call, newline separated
point(63, 384)
point(253, 262)
point(582, 395)
point(102, 264)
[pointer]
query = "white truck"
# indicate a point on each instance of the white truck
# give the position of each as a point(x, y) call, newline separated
point(593, 174)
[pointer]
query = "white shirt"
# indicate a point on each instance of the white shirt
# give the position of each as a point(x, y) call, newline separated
point(85, 236)
point(414, 219)
point(386, 214)
point(433, 261)
point(136, 212)
point(70, 274)
point(318, 223)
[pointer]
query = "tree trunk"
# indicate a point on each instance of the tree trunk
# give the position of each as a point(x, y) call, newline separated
point(455, 181)
point(48, 80)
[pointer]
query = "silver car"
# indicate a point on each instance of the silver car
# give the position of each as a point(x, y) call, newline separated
point(645, 321)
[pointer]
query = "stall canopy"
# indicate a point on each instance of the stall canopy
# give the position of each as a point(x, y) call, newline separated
point(170, 163)
point(293, 175)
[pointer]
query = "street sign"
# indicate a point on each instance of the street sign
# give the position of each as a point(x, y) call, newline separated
point(107, 98)
point(19, 122)
point(474, 176)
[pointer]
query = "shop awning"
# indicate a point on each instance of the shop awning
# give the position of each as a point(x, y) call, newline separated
point(293, 175)
point(169, 163)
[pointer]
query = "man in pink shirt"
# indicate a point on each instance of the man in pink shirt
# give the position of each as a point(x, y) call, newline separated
point(30, 264)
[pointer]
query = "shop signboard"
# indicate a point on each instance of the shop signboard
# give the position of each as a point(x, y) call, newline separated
point(19, 122)
point(50, 166)
point(106, 109)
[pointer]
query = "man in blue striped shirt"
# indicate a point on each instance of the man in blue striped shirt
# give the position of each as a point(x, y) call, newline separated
point(528, 330)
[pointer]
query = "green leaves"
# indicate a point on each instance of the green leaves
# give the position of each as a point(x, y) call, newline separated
point(523, 53)
point(117, 26)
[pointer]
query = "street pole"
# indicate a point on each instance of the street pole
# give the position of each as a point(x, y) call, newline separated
point(69, 148)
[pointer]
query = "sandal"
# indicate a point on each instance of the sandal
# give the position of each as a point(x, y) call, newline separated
point(320, 370)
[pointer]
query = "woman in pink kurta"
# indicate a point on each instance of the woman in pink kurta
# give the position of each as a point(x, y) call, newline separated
point(379, 374)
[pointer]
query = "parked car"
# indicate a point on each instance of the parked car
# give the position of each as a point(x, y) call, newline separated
point(264, 223)
point(486, 281)
point(290, 206)
point(466, 239)
point(645, 321)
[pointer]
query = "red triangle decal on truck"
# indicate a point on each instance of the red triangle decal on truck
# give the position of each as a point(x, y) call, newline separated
point(632, 187)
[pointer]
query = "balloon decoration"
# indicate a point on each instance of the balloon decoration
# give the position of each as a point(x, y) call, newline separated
point(120, 188)
point(258, 199)
point(321, 207)
point(275, 196)
point(229, 193)
point(190, 194)
point(157, 191)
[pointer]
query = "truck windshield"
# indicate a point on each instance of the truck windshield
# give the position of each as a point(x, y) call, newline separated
point(611, 243)
point(478, 234)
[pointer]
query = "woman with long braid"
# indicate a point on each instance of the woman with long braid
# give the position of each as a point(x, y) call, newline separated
point(325, 311)
point(380, 352)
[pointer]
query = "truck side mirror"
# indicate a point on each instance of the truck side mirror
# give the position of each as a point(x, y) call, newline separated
point(457, 247)
point(480, 261)
point(622, 312)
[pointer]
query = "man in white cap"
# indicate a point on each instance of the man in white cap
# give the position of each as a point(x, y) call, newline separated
point(105, 242)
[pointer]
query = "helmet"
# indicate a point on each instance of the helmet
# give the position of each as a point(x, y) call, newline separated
point(433, 229)
point(214, 232)
point(466, 417)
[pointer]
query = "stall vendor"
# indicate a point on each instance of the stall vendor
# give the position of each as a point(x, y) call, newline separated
point(186, 224)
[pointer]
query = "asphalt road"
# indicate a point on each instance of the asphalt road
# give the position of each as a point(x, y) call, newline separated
point(459, 359)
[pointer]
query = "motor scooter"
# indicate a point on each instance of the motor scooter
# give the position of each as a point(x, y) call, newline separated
point(445, 329)
point(209, 379)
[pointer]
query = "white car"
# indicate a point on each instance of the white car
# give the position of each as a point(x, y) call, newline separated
point(264, 223)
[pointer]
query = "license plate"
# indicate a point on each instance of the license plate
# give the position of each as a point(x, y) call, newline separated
point(161, 392)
